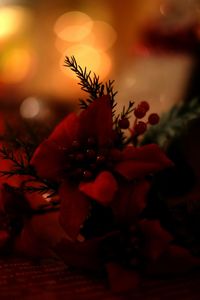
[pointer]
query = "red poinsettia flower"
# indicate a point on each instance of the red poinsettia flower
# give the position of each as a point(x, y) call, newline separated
point(82, 157)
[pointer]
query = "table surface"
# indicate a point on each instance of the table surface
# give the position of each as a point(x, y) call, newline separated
point(23, 279)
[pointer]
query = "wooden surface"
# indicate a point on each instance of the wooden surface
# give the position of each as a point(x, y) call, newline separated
point(22, 279)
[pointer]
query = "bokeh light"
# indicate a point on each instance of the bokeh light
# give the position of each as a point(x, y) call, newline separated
point(15, 65)
point(12, 20)
point(95, 60)
point(73, 26)
point(30, 108)
point(102, 35)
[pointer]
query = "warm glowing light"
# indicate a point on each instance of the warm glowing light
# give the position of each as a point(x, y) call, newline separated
point(61, 45)
point(12, 20)
point(73, 26)
point(30, 108)
point(15, 65)
point(86, 56)
point(130, 81)
point(103, 35)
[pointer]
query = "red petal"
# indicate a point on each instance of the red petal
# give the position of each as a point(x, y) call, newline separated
point(130, 200)
point(102, 189)
point(39, 235)
point(141, 161)
point(157, 239)
point(120, 279)
point(74, 209)
point(49, 160)
point(96, 120)
point(66, 131)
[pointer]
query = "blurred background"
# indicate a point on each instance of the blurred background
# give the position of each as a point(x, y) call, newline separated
point(150, 48)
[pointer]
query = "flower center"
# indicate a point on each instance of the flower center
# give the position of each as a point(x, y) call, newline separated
point(85, 160)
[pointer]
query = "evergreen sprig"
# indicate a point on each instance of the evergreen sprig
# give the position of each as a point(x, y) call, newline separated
point(127, 111)
point(18, 160)
point(22, 166)
point(173, 123)
point(91, 84)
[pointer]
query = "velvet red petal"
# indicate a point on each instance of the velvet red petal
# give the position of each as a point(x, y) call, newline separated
point(74, 209)
point(157, 239)
point(139, 162)
point(102, 189)
point(39, 235)
point(120, 279)
point(96, 120)
point(66, 131)
point(49, 160)
point(130, 200)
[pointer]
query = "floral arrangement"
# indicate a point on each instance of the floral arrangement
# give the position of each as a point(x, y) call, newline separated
point(82, 193)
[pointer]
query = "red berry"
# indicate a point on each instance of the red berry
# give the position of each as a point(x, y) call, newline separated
point(124, 123)
point(139, 112)
point(153, 119)
point(144, 105)
point(87, 174)
point(101, 159)
point(140, 127)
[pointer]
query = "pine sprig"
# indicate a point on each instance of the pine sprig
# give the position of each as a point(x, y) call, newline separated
point(21, 166)
point(90, 84)
point(126, 112)
point(173, 123)
point(111, 92)
point(17, 160)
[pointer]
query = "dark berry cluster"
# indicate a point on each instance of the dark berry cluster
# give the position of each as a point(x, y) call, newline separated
point(85, 160)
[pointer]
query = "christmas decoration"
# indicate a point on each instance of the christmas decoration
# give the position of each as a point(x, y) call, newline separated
point(84, 193)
